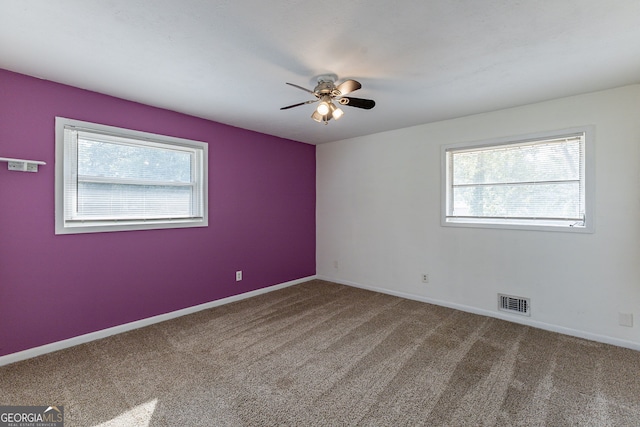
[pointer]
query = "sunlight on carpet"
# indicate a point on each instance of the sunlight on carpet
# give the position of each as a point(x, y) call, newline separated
point(138, 416)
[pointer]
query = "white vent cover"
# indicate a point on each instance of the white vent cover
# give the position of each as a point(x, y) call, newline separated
point(513, 304)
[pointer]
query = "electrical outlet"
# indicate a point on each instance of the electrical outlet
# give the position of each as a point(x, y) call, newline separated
point(238, 275)
point(425, 278)
point(17, 166)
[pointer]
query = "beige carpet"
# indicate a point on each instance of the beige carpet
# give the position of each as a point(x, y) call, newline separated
point(321, 354)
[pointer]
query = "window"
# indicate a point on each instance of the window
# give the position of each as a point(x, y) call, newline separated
point(540, 181)
point(112, 179)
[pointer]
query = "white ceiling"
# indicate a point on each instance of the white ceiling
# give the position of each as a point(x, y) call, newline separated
point(421, 61)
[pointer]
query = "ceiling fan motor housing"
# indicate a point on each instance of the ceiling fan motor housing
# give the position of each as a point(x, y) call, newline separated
point(325, 87)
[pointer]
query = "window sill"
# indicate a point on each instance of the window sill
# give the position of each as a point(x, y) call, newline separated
point(78, 227)
point(518, 225)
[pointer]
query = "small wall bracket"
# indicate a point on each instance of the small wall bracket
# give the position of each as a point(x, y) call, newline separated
point(21, 164)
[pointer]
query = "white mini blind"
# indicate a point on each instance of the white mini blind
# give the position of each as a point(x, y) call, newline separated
point(113, 179)
point(541, 180)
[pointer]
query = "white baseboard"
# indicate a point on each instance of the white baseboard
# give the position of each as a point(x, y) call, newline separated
point(81, 339)
point(523, 321)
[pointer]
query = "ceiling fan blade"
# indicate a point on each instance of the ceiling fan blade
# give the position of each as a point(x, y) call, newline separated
point(367, 104)
point(299, 104)
point(300, 87)
point(348, 86)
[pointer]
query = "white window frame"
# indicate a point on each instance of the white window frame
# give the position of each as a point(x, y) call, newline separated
point(588, 226)
point(66, 179)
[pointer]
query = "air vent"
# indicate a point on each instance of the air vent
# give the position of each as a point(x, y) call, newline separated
point(513, 304)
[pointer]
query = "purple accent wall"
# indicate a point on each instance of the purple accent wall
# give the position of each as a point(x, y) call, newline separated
point(261, 221)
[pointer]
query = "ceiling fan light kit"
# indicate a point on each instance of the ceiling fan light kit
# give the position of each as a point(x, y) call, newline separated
point(317, 116)
point(323, 108)
point(326, 92)
point(336, 112)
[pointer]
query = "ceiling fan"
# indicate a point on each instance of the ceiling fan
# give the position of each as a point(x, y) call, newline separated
point(326, 92)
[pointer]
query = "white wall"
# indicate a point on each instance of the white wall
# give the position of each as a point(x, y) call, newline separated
point(378, 222)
